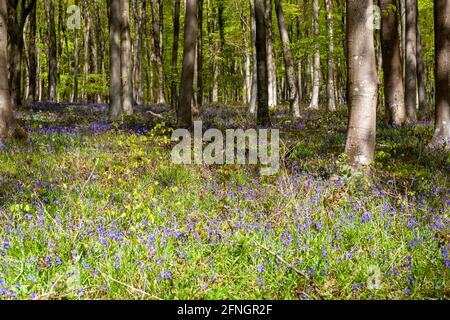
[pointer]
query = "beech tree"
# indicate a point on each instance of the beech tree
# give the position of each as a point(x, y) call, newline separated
point(362, 84)
point(441, 138)
point(291, 78)
point(392, 67)
point(262, 113)
point(184, 112)
point(316, 61)
point(8, 124)
point(411, 61)
point(115, 89)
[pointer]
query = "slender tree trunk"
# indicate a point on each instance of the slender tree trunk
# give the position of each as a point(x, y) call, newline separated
point(254, 89)
point(262, 113)
point(126, 58)
point(316, 66)
point(76, 63)
point(176, 35)
point(157, 52)
point(420, 72)
point(441, 138)
point(184, 114)
point(115, 88)
point(393, 79)
point(52, 52)
point(411, 61)
point(86, 33)
point(362, 81)
point(330, 84)
point(271, 66)
point(200, 55)
point(32, 57)
point(402, 4)
point(246, 67)
point(7, 119)
point(288, 61)
point(138, 12)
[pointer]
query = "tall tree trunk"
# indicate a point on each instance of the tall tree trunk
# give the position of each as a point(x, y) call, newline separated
point(330, 84)
point(392, 67)
point(86, 33)
point(115, 87)
point(126, 59)
point(138, 12)
point(7, 119)
point(254, 89)
point(184, 114)
point(411, 61)
point(420, 72)
point(262, 113)
point(200, 55)
point(32, 57)
point(288, 61)
point(158, 52)
point(362, 82)
point(176, 35)
point(316, 66)
point(441, 138)
point(271, 66)
point(246, 67)
point(52, 52)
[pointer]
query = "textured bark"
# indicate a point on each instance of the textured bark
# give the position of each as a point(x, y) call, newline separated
point(288, 61)
point(316, 65)
point(246, 67)
point(184, 114)
point(441, 138)
point(76, 62)
point(126, 58)
point(200, 55)
point(139, 14)
point(52, 51)
point(362, 82)
point(176, 35)
point(32, 77)
point(271, 67)
point(330, 83)
point(392, 67)
point(262, 113)
point(157, 48)
point(420, 72)
point(254, 89)
point(411, 61)
point(213, 50)
point(86, 59)
point(115, 87)
point(7, 120)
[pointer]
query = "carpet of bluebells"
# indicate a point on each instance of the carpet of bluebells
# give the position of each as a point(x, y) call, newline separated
point(96, 210)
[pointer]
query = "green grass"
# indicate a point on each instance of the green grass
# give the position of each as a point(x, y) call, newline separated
point(105, 215)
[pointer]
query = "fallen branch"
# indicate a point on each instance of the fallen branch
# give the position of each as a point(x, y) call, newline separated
point(304, 275)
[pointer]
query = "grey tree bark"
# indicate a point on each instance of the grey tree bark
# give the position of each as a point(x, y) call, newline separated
point(176, 35)
point(115, 87)
point(362, 83)
point(330, 83)
point(7, 119)
point(441, 138)
point(392, 66)
point(291, 77)
point(262, 113)
point(254, 85)
point(316, 65)
point(271, 66)
point(411, 61)
point(126, 58)
point(52, 51)
point(184, 112)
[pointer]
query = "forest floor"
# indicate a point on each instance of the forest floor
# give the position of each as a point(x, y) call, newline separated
point(90, 209)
